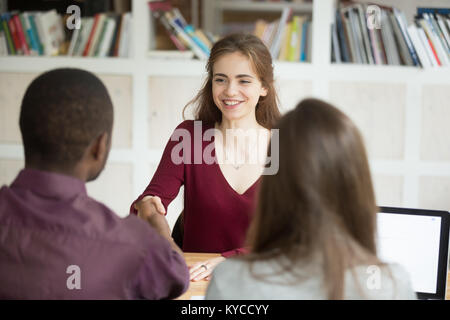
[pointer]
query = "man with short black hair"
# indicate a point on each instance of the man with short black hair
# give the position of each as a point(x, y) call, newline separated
point(55, 241)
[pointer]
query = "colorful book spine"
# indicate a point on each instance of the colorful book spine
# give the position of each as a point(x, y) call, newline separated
point(36, 36)
point(401, 20)
point(424, 40)
point(437, 31)
point(91, 35)
point(21, 34)
point(185, 38)
point(9, 40)
point(303, 48)
point(294, 47)
point(15, 36)
point(418, 45)
point(191, 32)
point(344, 50)
point(172, 34)
point(432, 41)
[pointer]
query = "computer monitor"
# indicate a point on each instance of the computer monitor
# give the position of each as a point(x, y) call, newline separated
point(418, 240)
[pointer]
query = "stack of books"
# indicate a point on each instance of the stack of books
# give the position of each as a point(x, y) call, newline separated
point(31, 33)
point(288, 38)
point(43, 34)
point(188, 40)
point(383, 37)
point(104, 35)
point(430, 35)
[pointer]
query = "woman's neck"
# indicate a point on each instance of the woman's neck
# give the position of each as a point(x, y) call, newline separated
point(243, 124)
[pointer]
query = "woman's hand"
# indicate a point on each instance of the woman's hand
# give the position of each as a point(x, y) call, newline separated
point(202, 270)
point(148, 206)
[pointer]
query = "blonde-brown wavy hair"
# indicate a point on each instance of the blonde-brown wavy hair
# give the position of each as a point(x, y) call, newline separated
point(267, 111)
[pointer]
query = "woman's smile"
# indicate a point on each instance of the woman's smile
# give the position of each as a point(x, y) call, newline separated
point(231, 104)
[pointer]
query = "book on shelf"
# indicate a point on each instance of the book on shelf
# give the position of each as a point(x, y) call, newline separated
point(287, 38)
point(183, 35)
point(424, 43)
point(433, 26)
point(39, 33)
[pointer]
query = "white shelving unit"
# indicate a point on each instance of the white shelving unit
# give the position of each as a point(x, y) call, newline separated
point(213, 10)
point(320, 73)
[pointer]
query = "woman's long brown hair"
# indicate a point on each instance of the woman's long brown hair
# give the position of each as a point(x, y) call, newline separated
point(321, 201)
point(267, 111)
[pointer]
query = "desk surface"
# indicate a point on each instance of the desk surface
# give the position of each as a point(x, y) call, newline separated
point(198, 288)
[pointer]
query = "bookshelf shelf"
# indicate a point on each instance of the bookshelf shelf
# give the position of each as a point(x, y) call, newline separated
point(262, 6)
point(357, 72)
point(213, 12)
point(39, 64)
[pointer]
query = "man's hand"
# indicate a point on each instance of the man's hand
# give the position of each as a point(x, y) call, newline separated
point(151, 209)
point(148, 206)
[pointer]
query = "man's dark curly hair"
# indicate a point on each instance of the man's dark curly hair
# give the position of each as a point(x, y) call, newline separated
point(62, 112)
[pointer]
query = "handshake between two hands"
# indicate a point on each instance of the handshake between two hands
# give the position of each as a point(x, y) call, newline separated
point(151, 209)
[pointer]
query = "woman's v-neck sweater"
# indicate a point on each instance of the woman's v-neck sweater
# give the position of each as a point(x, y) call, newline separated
point(216, 217)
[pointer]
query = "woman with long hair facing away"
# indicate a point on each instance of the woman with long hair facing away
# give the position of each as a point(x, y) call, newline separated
point(313, 232)
point(213, 156)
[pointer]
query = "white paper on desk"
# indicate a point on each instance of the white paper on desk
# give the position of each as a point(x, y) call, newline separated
point(198, 298)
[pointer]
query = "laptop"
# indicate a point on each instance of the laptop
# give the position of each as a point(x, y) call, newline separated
point(418, 240)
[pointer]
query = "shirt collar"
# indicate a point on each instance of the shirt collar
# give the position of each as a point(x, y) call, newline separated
point(47, 183)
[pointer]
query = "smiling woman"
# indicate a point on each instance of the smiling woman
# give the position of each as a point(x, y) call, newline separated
point(237, 102)
point(236, 94)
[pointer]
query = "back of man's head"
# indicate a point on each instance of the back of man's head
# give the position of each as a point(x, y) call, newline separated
point(62, 112)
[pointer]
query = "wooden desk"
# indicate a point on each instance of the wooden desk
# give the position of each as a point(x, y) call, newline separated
point(198, 288)
point(447, 295)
